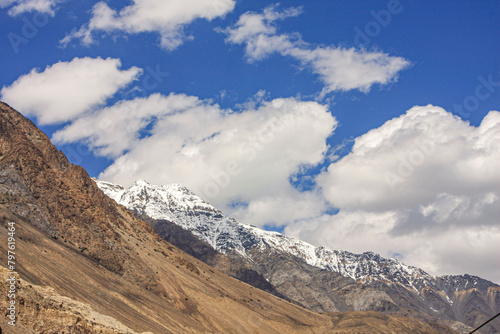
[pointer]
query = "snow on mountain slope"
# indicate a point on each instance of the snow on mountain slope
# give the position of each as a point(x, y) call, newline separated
point(307, 274)
point(177, 204)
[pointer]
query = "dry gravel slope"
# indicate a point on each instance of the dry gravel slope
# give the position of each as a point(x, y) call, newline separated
point(88, 265)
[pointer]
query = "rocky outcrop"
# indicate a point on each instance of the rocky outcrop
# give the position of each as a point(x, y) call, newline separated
point(39, 184)
point(47, 311)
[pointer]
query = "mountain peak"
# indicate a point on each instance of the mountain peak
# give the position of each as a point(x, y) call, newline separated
point(308, 274)
point(157, 201)
point(176, 203)
point(89, 265)
point(142, 183)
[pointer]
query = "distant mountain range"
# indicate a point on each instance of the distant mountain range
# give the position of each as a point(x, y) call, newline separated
point(85, 264)
point(317, 278)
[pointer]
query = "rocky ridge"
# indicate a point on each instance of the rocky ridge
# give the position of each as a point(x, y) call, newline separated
point(319, 278)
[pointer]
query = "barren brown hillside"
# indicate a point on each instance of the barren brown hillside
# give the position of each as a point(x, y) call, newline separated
point(87, 265)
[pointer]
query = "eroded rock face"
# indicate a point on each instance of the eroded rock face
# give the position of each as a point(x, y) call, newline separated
point(16, 196)
point(39, 184)
point(47, 311)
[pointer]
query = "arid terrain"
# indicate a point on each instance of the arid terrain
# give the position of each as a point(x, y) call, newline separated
point(88, 265)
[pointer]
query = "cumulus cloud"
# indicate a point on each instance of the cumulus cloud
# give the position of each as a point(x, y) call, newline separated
point(424, 187)
point(259, 32)
point(288, 207)
point(223, 155)
point(166, 18)
point(23, 6)
point(412, 158)
point(455, 250)
point(339, 68)
point(66, 90)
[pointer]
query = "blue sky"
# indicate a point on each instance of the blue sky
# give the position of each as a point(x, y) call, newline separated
point(196, 92)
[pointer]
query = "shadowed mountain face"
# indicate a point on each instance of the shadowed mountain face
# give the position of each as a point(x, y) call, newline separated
point(318, 278)
point(87, 265)
point(186, 241)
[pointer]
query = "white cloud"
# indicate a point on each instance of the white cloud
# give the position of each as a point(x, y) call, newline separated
point(454, 250)
point(356, 231)
point(346, 69)
point(114, 130)
point(166, 18)
point(458, 208)
point(339, 68)
point(222, 155)
point(412, 158)
point(65, 90)
point(23, 6)
point(289, 207)
point(424, 187)
point(259, 33)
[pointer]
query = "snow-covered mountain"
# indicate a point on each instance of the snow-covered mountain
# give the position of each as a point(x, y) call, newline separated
point(178, 204)
point(319, 278)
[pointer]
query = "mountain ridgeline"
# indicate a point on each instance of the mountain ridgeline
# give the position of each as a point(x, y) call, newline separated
point(85, 264)
point(318, 278)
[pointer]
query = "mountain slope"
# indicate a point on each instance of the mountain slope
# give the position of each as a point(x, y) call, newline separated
point(317, 277)
point(201, 250)
point(87, 265)
point(69, 230)
point(177, 203)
